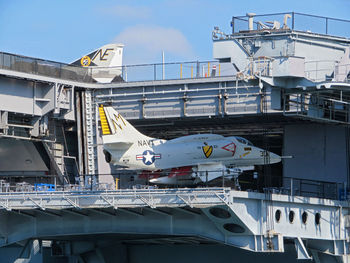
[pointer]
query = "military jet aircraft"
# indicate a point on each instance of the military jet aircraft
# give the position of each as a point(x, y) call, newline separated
point(190, 159)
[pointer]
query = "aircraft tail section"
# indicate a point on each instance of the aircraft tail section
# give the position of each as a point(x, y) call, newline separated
point(105, 63)
point(117, 133)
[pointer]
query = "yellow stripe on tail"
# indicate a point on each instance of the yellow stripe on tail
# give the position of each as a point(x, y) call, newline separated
point(104, 123)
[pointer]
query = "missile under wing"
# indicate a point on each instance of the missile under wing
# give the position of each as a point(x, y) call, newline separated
point(204, 156)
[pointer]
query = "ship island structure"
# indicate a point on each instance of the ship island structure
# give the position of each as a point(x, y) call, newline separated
point(280, 80)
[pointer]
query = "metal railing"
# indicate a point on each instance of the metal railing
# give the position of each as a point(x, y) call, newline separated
point(44, 67)
point(122, 198)
point(176, 70)
point(295, 21)
point(142, 72)
point(320, 70)
point(327, 70)
point(278, 185)
point(261, 66)
point(327, 107)
point(306, 188)
point(342, 73)
point(311, 188)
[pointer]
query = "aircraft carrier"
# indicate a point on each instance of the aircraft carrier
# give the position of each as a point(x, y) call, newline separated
point(278, 80)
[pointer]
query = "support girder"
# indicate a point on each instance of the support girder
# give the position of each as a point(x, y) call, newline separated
point(258, 243)
point(330, 247)
point(302, 253)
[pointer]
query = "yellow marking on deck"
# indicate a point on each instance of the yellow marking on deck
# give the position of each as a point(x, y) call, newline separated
point(104, 123)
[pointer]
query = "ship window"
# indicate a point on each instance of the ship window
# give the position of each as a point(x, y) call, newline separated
point(291, 216)
point(318, 218)
point(278, 215)
point(304, 217)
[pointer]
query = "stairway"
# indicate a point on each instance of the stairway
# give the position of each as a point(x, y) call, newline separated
point(56, 151)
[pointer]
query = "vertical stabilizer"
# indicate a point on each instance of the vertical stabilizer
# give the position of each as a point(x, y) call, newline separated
point(105, 63)
point(117, 130)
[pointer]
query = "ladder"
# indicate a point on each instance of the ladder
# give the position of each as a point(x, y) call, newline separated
point(90, 126)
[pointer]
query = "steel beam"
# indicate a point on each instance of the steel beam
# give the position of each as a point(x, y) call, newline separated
point(76, 213)
point(301, 249)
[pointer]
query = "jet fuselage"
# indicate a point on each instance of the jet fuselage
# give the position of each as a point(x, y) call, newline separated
point(193, 150)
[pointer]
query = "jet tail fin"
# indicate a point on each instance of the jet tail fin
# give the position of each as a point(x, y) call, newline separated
point(105, 63)
point(117, 133)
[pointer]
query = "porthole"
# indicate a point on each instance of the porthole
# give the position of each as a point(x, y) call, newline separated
point(220, 213)
point(278, 215)
point(304, 217)
point(317, 218)
point(291, 216)
point(234, 228)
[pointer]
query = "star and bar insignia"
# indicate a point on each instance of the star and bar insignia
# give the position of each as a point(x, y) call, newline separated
point(148, 157)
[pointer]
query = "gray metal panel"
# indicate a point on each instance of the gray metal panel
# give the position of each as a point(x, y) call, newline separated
point(16, 95)
point(275, 47)
point(318, 152)
point(19, 156)
point(288, 67)
point(231, 49)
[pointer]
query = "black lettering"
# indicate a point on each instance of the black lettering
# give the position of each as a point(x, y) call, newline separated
point(105, 54)
point(102, 55)
point(141, 143)
point(98, 52)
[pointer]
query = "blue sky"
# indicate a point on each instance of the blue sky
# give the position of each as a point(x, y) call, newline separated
point(64, 30)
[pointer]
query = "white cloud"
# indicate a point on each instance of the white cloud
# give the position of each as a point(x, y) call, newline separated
point(128, 12)
point(144, 44)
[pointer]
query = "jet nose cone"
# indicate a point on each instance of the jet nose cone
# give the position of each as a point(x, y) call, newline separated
point(274, 158)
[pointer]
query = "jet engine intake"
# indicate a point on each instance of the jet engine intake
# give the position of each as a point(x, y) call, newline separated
point(108, 156)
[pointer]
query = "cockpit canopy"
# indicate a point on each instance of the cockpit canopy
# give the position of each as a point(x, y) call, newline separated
point(244, 141)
